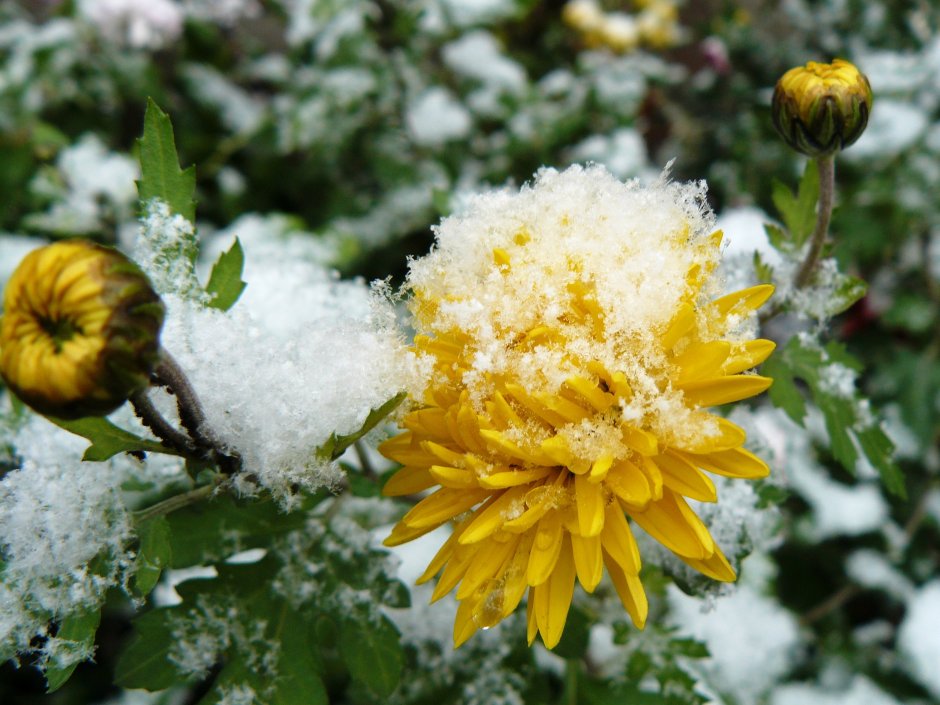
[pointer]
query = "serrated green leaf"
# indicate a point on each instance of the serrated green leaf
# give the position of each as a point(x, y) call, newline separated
point(690, 648)
point(336, 445)
point(849, 291)
point(225, 282)
point(764, 272)
point(839, 415)
point(80, 628)
point(879, 450)
point(144, 663)
point(153, 555)
point(798, 211)
point(161, 176)
point(373, 653)
point(107, 440)
point(783, 392)
point(777, 236)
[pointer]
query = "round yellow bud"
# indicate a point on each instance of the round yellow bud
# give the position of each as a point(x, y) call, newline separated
point(820, 109)
point(80, 329)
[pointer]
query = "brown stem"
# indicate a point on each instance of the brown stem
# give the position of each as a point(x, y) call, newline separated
point(161, 428)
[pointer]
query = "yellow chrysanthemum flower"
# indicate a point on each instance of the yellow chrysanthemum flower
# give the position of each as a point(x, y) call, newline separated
point(80, 329)
point(573, 335)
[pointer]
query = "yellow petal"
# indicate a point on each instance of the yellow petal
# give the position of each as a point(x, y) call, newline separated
point(727, 435)
point(444, 504)
point(444, 553)
point(430, 421)
point(498, 443)
point(590, 500)
point(618, 541)
point(402, 533)
point(745, 300)
point(701, 360)
point(489, 559)
point(457, 566)
point(643, 442)
point(685, 478)
point(629, 483)
point(511, 478)
point(568, 410)
point(681, 324)
point(715, 567)
point(457, 478)
point(545, 548)
point(631, 592)
point(723, 390)
point(554, 598)
point(496, 512)
point(588, 560)
point(464, 627)
point(405, 449)
point(746, 355)
point(653, 476)
point(532, 626)
point(443, 454)
point(591, 393)
point(671, 522)
point(535, 407)
point(735, 462)
point(515, 574)
point(408, 480)
point(601, 467)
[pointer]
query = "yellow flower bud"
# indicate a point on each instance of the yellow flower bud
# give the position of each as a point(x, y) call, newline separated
point(820, 109)
point(80, 329)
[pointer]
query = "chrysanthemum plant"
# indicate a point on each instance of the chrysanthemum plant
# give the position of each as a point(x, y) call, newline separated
point(562, 417)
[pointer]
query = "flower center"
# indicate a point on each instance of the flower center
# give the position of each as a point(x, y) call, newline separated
point(61, 330)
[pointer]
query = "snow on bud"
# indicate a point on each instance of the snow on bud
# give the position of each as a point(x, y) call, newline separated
point(820, 109)
point(80, 329)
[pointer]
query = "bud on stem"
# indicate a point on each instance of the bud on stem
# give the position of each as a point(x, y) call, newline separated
point(820, 109)
point(80, 329)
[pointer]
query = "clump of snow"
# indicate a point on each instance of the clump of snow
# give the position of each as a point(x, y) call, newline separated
point(239, 111)
point(745, 236)
point(477, 55)
point(308, 356)
point(90, 186)
point(623, 152)
point(436, 117)
point(753, 641)
point(919, 638)
point(859, 691)
point(142, 25)
point(223, 12)
point(872, 570)
point(838, 510)
point(57, 514)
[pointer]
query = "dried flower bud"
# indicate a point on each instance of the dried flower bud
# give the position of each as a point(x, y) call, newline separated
point(820, 109)
point(80, 329)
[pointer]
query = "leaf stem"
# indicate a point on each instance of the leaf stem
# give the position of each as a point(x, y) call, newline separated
point(570, 694)
point(171, 504)
point(826, 166)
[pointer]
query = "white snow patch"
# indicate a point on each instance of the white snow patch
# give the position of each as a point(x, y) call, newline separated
point(919, 637)
point(436, 117)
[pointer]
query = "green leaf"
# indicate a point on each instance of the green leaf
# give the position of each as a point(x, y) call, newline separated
point(225, 283)
point(783, 392)
point(798, 211)
point(847, 422)
point(107, 440)
point(298, 681)
point(161, 176)
point(153, 555)
point(335, 445)
point(144, 663)
point(213, 530)
point(80, 628)
point(373, 653)
point(849, 290)
point(777, 236)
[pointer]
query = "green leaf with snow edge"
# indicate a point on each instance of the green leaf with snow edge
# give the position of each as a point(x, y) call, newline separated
point(145, 662)
point(79, 628)
point(107, 440)
point(161, 176)
point(798, 211)
point(153, 555)
point(848, 429)
point(225, 282)
point(336, 445)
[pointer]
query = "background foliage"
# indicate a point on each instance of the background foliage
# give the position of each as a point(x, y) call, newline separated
point(356, 124)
